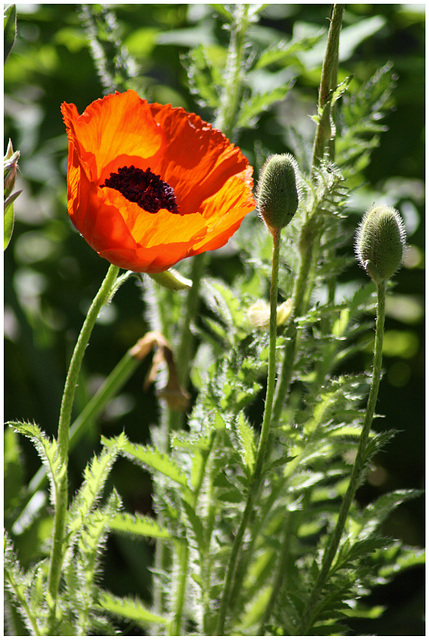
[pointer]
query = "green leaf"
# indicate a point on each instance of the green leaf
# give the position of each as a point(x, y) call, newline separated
point(47, 450)
point(89, 547)
point(128, 608)
point(284, 52)
point(9, 29)
point(247, 440)
point(21, 587)
point(205, 79)
point(9, 218)
point(150, 458)
point(353, 35)
point(13, 472)
point(375, 513)
point(95, 477)
point(138, 525)
point(258, 103)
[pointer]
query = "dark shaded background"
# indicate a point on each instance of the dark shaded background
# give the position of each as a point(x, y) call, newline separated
point(51, 274)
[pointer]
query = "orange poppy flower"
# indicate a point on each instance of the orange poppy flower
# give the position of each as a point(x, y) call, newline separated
point(149, 185)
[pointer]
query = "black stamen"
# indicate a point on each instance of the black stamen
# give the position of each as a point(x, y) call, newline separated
point(143, 187)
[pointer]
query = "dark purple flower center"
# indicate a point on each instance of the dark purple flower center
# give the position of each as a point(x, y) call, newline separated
point(143, 187)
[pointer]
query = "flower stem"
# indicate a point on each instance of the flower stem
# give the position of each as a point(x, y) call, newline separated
point(312, 227)
point(231, 97)
point(328, 81)
point(57, 552)
point(183, 554)
point(358, 467)
point(231, 586)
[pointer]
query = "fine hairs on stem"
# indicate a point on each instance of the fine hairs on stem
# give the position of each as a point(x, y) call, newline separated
point(57, 553)
point(277, 203)
point(262, 452)
point(380, 243)
point(358, 467)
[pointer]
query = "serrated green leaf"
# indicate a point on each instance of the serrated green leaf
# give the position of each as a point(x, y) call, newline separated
point(247, 440)
point(153, 459)
point(375, 513)
point(138, 525)
point(128, 608)
point(21, 586)
point(283, 52)
point(47, 450)
point(95, 477)
point(258, 103)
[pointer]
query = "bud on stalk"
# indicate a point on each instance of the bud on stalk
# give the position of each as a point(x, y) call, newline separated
point(277, 195)
point(380, 242)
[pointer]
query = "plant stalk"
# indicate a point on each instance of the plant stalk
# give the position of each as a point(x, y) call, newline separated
point(328, 82)
point(57, 552)
point(231, 97)
point(358, 466)
point(230, 586)
point(312, 228)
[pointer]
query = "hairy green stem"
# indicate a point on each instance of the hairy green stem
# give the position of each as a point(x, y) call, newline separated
point(231, 97)
point(293, 332)
point(183, 553)
point(328, 82)
point(262, 455)
point(57, 552)
point(310, 238)
point(312, 228)
point(358, 467)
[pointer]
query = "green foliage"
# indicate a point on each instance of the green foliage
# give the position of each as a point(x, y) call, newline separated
point(9, 29)
point(202, 466)
point(360, 121)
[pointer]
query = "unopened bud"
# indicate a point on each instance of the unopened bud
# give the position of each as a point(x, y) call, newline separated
point(277, 191)
point(10, 165)
point(258, 314)
point(380, 242)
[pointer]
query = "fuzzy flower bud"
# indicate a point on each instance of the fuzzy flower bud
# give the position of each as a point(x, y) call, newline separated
point(277, 191)
point(380, 242)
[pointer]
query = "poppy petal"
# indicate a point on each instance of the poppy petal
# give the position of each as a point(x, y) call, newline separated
point(207, 179)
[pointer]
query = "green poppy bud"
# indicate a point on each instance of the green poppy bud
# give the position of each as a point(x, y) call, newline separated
point(380, 242)
point(277, 195)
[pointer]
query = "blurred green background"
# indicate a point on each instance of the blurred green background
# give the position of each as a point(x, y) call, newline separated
point(51, 275)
